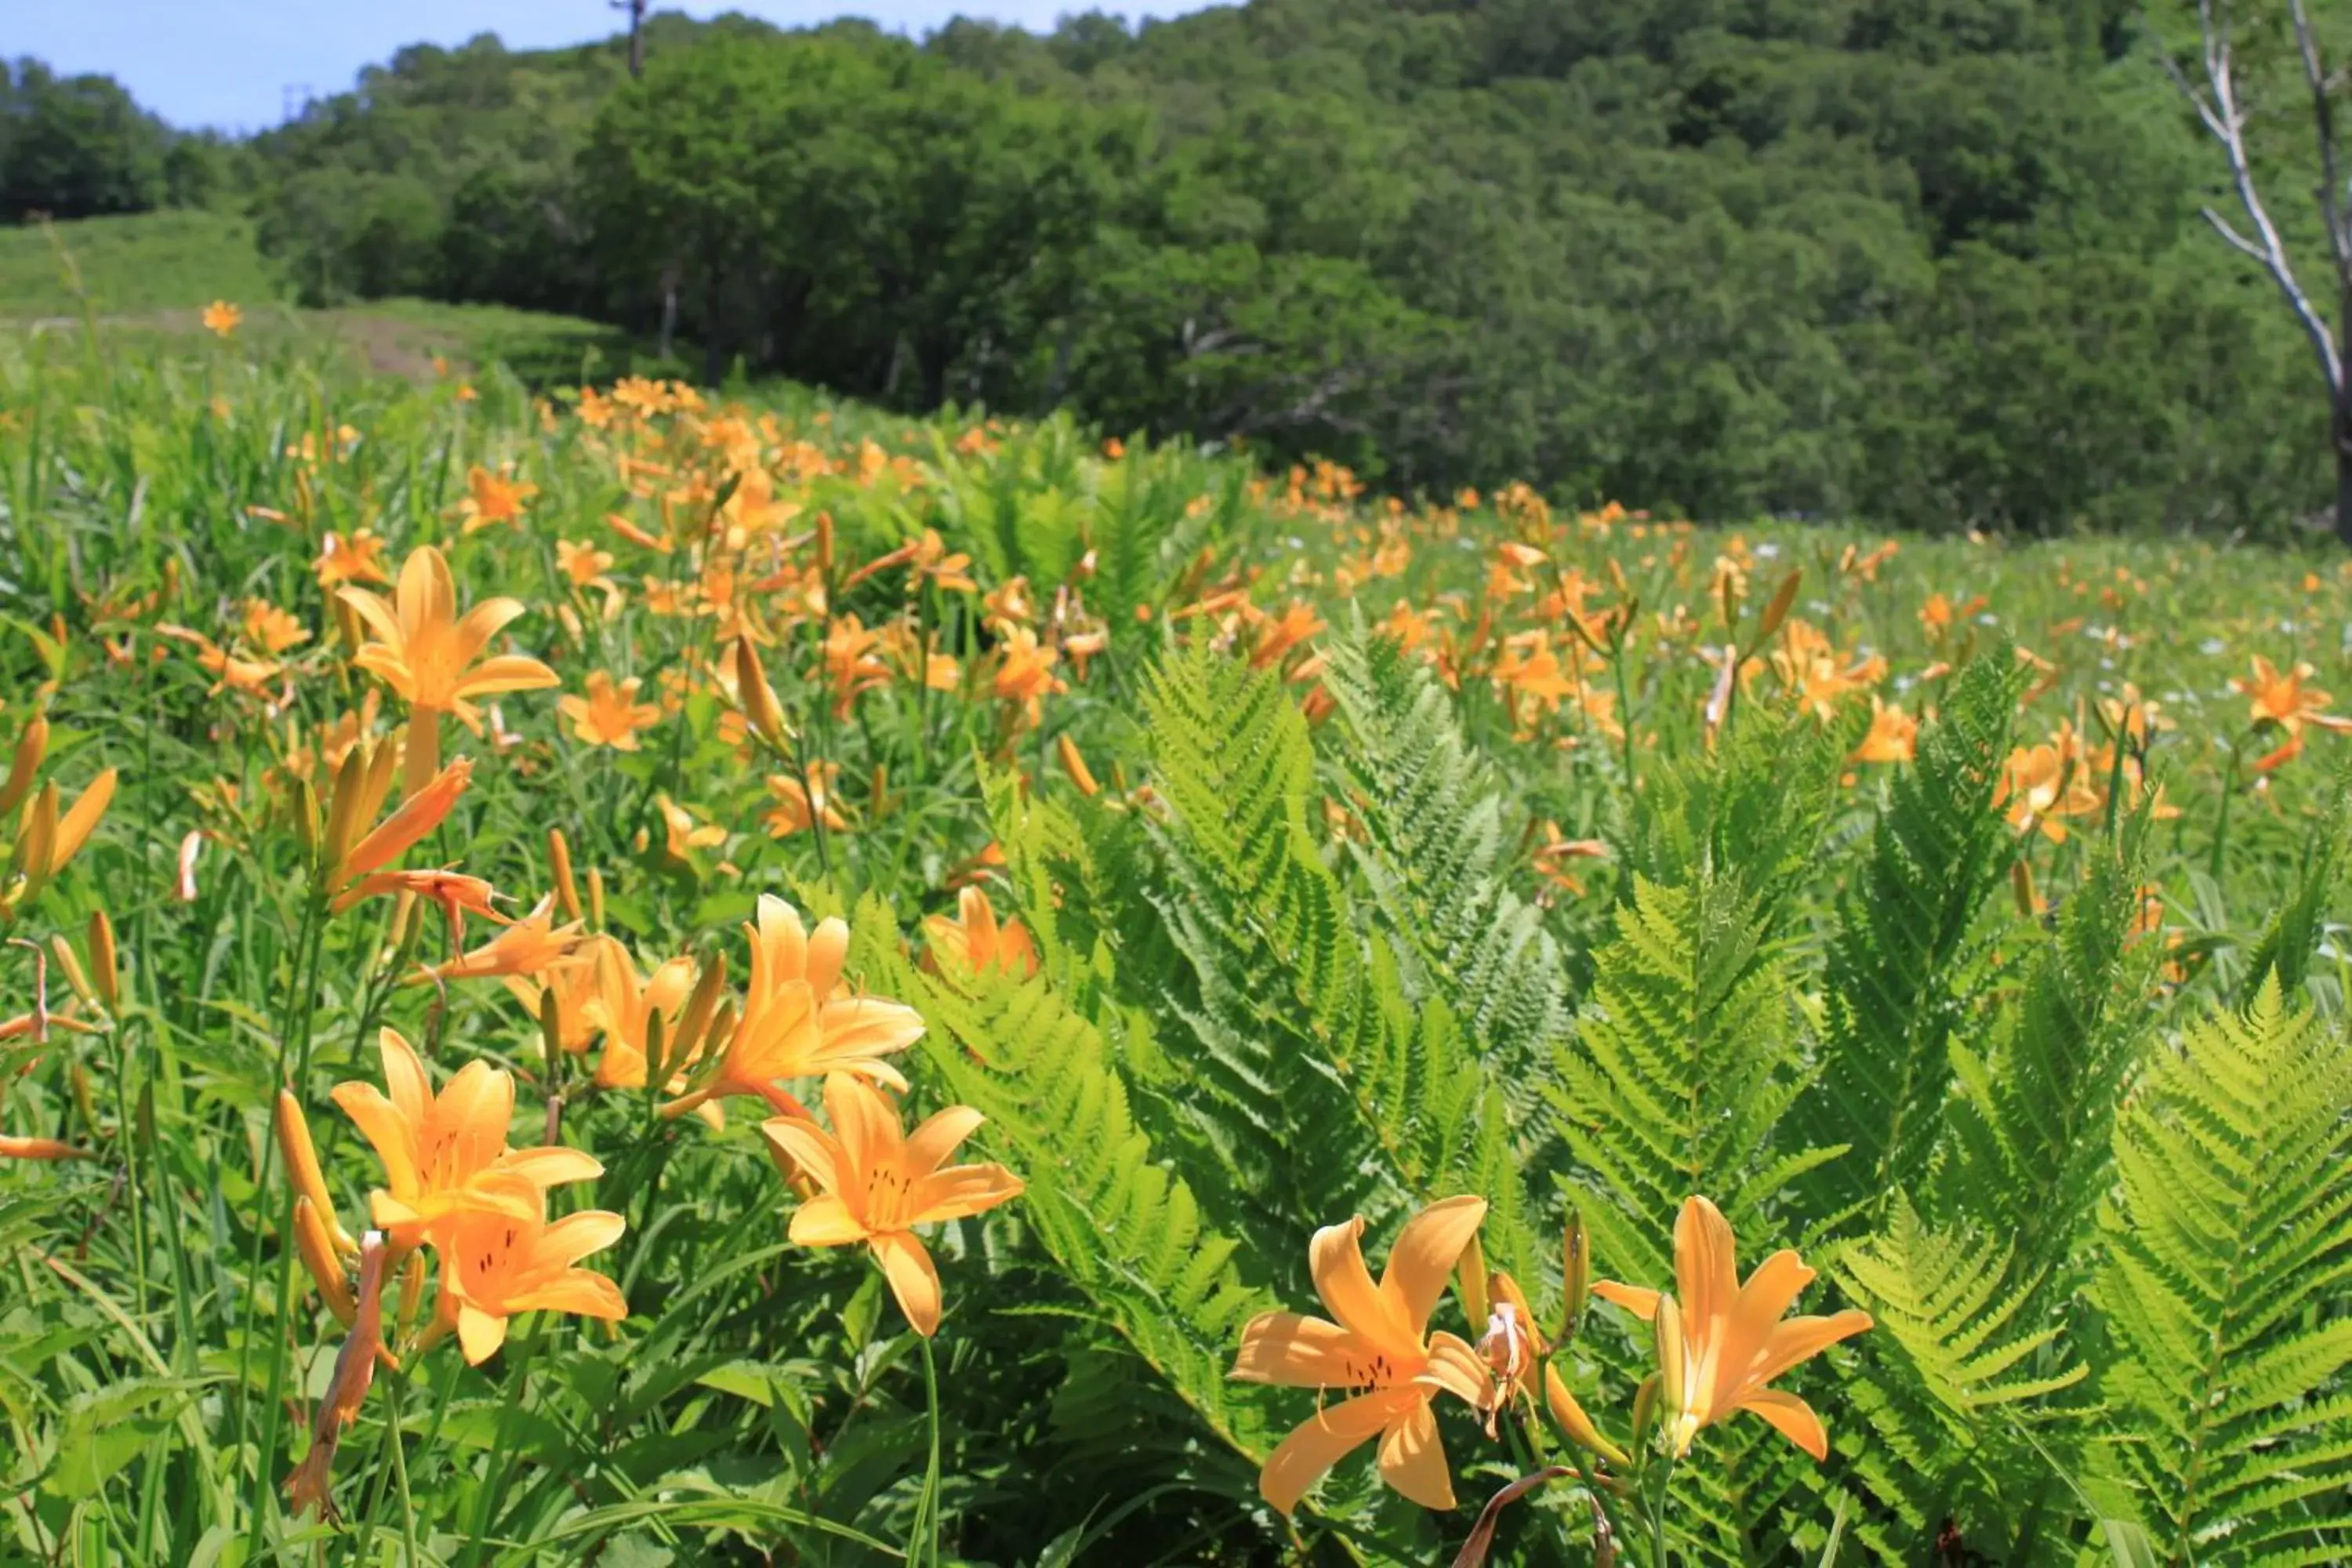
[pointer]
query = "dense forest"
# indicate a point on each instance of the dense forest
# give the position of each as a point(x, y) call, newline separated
point(1926, 263)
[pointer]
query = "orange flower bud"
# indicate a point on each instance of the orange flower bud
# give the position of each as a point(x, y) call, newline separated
point(32, 746)
point(105, 972)
point(1074, 764)
point(559, 862)
point(316, 1244)
point(765, 714)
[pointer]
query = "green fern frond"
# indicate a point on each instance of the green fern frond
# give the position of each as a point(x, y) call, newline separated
point(1123, 1228)
point(2229, 1248)
point(1680, 1071)
point(1150, 518)
point(1894, 996)
point(2028, 1137)
point(1760, 807)
point(2290, 936)
point(1351, 1099)
point(2228, 1251)
point(1435, 856)
point(1950, 1380)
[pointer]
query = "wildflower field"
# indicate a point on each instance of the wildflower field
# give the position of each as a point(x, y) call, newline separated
point(633, 977)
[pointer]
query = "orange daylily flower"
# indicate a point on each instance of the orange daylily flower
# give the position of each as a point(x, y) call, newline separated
point(221, 317)
point(2283, 699)
point(1024, 672)
point(1894, 735)
point(356, 845)
point(877, 1182)
point(1377, 1345)
point(447, 1154)
point(492, 499)
point(610, 714)
point(270, 628)
point(977, 940)
point(231, 670)
point(531, 945)
point(359, 559)
point(1552, 855)
point(1721, 1341)
point(497, 1263)
point(573, 986)
point(623, 1005)
point(800, 1019)
point(801, 804)
point(2040, 784)
point(853, 662)
point(430, 655)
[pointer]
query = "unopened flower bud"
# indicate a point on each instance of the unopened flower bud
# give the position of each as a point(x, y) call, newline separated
point(760, 708)
point(559, 864)
point(105, 971)
point(32, 746)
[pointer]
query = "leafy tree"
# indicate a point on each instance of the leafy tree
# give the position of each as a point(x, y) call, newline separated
point(75, 146)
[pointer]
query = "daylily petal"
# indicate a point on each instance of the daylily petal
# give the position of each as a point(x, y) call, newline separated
point(829, 951)
point(1316, 1445)
point(929, 1146)
point(478, 1104)
point(378, 615)
point(1706, 1268)
point(575, 1290)
point(868, 1026)
point(809, 1146)
point(1455, 1367)
point(1336, 1258)
point(826, 1221)
point(479, 1334)
point(914, 1281)
point(861, 1120)
point(1422, 1260)
point(381, 1122)
point(1643, 1304)
point(1298, 1352)
point(1793, 1417)
point(575, 1236)
point(1412, 1460)
point(507, 672)
point(417, 815)
point(405, 1077)
point(473, 631)
point(960, 1191)
point(1799, 1338)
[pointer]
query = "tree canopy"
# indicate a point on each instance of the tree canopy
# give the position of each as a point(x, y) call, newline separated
point(1932, 263)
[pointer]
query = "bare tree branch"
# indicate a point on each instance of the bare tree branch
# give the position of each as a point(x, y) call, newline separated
point(2225, 120)
point(2322, 120)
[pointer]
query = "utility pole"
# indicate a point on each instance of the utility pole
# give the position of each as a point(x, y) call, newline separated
point(636, 10)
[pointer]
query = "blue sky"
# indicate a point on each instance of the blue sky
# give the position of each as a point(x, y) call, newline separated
point(232, 63)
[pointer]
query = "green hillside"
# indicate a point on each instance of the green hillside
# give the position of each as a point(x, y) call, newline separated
point(1930, 263)
point(167, 261)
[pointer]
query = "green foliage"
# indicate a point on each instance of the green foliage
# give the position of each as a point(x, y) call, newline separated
point(2028, 1132)
point(1685, 1057)
point(1954, 1389)
point(1293, 965)
point(1935, 265)
point(1897, 969)
point(2289, 941)
point(1123, 1227)
point(2228, 1243)
point(1331, 1087)
point(76, 146)
point(1434, 853)
point(177, 261)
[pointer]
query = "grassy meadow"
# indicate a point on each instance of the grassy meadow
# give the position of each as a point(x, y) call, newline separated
point(496, 878)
